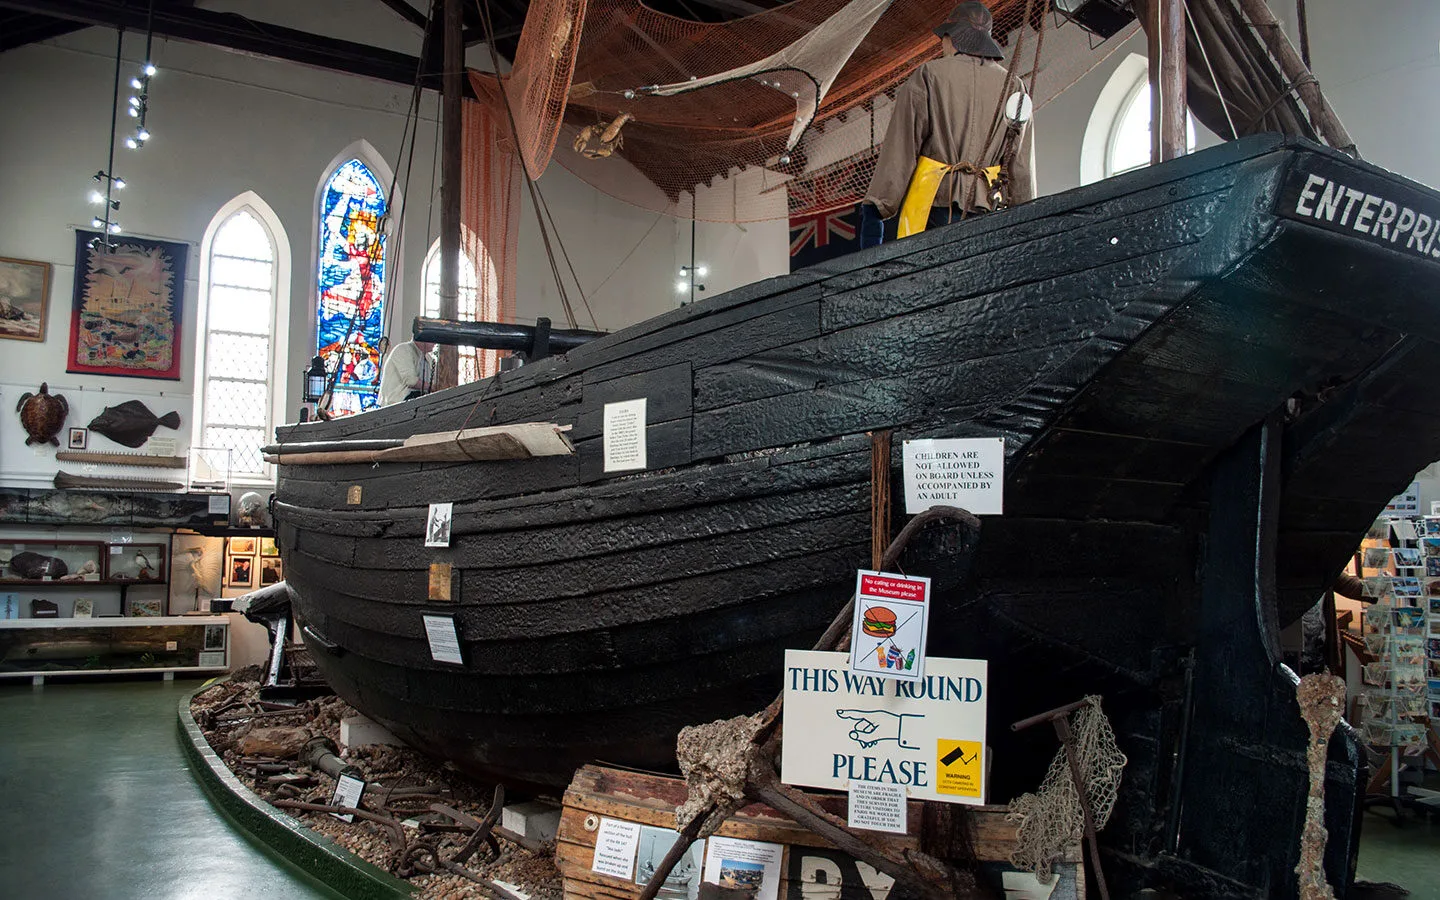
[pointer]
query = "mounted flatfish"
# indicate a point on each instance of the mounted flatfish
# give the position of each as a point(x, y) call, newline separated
point(37, 566)
point(42, 415)
point(131, 423)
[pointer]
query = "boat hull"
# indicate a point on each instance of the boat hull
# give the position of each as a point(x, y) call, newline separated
point(1127, 340)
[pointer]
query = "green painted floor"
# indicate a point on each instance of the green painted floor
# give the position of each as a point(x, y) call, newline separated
point(1407, 855)
point(97, 801)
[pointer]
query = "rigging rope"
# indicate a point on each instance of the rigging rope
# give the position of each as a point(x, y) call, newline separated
point(1205, 55)
point(484, 7)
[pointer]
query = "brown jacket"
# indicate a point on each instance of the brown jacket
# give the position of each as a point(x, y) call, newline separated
point(945, 111)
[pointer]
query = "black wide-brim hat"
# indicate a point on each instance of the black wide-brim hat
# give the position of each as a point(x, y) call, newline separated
point(968, 26)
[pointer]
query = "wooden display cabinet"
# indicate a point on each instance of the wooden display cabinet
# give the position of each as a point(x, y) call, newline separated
point(32, 561)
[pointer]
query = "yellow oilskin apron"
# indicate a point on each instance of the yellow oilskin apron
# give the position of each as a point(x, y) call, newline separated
point(925, 183)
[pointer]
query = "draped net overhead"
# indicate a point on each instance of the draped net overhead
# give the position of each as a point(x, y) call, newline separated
point(735, 99)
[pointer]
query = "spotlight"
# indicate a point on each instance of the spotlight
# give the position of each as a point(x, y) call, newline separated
point(132, 143)
point(137, 84)
point(149, 70)
point(142, 135)
point(97, 197)
point(702, 271)
point(114, 227)
point(100, 175)
point(682, 286)
point(119, 183)
point(114, 204)
point(134, 113)
point(135, 101)
point(96, 223)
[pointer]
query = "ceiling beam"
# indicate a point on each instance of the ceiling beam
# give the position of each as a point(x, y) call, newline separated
point(21, 29)
point(473, 36)
point(236, 32)
point(407, 12)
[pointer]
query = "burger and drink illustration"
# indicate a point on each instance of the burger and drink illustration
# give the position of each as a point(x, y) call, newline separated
point(891, 617)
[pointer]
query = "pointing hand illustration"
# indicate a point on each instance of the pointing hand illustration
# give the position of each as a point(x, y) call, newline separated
point(875, 725)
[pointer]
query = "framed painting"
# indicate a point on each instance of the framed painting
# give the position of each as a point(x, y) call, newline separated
point(24, 296)
point(125, 317)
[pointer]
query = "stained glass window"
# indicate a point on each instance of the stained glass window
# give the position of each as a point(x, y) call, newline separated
point(350, 312)
point(472, 362)
point(240, 313)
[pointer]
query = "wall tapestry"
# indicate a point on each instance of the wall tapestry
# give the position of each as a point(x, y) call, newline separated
point(24, 294)
point(125, 319)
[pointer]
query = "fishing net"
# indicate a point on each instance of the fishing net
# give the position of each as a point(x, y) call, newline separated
point(489, 223)
point(1051, 819)
point(742, 120)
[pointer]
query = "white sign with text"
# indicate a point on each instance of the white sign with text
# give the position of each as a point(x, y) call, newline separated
point(615, 845)
point(964, 472)
point(927, 736)
point(624, 436)
point(877, 807)
point(887, 636)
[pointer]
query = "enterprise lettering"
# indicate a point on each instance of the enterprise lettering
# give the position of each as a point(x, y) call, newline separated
point(1326, 200)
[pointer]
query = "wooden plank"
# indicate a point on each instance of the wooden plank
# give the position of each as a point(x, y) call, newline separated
point(522, 440)
point(650, 799)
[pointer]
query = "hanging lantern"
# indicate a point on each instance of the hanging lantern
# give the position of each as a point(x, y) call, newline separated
point(314, 380)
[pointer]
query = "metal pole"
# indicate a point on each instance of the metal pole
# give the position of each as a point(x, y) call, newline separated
point(450, 177)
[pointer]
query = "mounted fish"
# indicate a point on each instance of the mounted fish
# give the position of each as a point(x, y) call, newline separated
point(43, 415)
point(131, 423)
point(37, 566)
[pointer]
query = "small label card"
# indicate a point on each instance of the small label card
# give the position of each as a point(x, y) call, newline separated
point(877, 807)
point(348, 790)
point(219, 504)
point(444, 641)
point(615, 846)
point(625, 436)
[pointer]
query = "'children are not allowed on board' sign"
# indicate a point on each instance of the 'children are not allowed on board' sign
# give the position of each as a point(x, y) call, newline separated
point(927, 736)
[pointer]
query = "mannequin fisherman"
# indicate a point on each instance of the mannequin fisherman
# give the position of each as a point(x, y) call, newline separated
point(947, 111)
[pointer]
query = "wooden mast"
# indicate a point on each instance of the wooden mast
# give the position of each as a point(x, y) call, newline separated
point(1169, 105)
point(1293, 68)
point(447, 373)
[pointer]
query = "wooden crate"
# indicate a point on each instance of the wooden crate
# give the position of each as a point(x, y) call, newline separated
point(811, 868)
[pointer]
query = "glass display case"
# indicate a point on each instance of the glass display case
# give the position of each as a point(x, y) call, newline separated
point(27, 561)
point(30, 647)
point(136, 563)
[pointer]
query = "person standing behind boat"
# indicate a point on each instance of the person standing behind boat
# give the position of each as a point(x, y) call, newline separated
point(946, 112)
point(409, 372)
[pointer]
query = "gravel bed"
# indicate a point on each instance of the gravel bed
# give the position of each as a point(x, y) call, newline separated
point(228, 712)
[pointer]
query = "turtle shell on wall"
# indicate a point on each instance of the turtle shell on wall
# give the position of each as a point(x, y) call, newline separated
point(42, 415)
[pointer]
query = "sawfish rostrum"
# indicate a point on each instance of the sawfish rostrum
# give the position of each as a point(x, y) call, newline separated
point(131, 423)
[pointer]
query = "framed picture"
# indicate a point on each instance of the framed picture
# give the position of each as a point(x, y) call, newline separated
point(79, 437)
point(242, 572)
point(437, 525)
point(125, 315)
point(242, 546)
point(24, 296)
point(268, 547)
point(146, 608)
point(270, 571)
point(214, 637)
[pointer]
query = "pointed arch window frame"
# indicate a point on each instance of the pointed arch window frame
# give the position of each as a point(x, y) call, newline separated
point(281, 270)
point(391, 274)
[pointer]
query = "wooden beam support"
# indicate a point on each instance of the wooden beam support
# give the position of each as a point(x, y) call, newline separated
point(448, 370)
point(1326, 123)
point(1168, 103)
point(234, 32)
point(407, 12)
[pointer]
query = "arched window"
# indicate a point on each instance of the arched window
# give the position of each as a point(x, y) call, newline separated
point(474, 364)
point(1117, 136)
point(1129, 145)
point(350, 314)
point(239, 386)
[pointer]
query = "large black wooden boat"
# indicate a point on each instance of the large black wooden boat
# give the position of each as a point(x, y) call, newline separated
point(1210, 376)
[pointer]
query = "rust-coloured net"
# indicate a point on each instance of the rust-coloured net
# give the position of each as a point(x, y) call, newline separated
point(720, 153)
point(489, 217)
